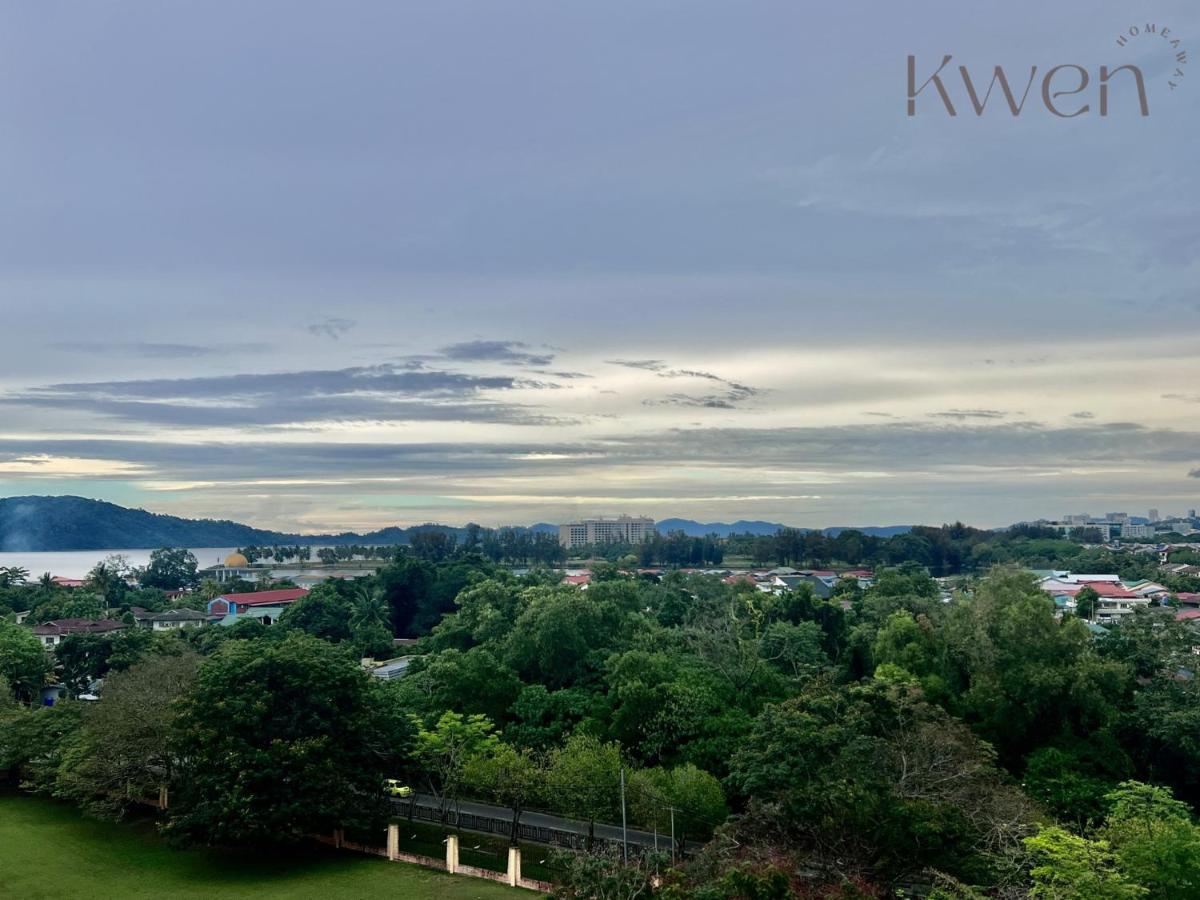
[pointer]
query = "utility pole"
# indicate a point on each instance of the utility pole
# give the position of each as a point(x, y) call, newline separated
point(624, 830)
point(672, 833)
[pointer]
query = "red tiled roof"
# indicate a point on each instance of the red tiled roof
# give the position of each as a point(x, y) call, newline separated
point(1187, 615)
point(577, 579)
point(265, 598)
point(1111, 591)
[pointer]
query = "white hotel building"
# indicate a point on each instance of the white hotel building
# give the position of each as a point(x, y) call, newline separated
point(627, 529)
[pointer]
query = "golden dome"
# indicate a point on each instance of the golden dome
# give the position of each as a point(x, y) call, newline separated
point(236, 561)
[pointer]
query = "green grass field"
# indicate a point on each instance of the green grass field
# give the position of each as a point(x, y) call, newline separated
point(48, 851)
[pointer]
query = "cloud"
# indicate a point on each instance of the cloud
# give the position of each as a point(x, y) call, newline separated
point(496, 351)
point(156, 350)
point(730, 398)
point(885, 447)
point(1183, 398)
point(650, 365)
point(331, 327)
point(962, 414)
point(1083, 414)
point(1194, 473)
point(383, 393)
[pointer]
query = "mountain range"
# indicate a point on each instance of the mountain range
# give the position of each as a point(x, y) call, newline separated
point(756, 527)
point(35, 524)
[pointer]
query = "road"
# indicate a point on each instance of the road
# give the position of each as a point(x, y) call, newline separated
point(533, 819)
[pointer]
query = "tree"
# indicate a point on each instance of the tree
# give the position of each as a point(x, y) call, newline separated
point(370, 622)
point(872, 776)
point(1023, 677)
point(33, 742)
point(445, 750)
point(470, 682)
point(687, 797)
point(584, 780)
point(24, 663)
point(1070, 867)
point(557, 639)
point(1154, 840)
point(605, 875)
point(432, 544)
point(323, 613)
point(278, 740)
point(507, 776)
point(1086, 602)
point(12, 576)
point(796, 649)
point(170, 569)
point(1066, 786)
point(123, 753)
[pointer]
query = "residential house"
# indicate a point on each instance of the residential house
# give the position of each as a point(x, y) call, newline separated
point(174, 619)
point(265, 606)
point(51, 634)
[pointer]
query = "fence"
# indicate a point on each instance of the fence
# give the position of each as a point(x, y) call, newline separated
point(534, 834)
point(469, 862)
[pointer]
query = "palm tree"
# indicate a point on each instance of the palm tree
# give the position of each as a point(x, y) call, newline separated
point(371, 622)
point(11, 576)
point(370, 610)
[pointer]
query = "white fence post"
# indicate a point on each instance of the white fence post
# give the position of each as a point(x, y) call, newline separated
point(514, 866)
point(393, 841)
point(452, 853)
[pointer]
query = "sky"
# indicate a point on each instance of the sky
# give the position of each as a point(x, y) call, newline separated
point(332, 266)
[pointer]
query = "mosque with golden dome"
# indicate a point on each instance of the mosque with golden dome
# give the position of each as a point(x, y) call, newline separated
point(235, 567)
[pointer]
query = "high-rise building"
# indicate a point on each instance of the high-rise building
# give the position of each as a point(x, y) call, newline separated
point(1154, 515)
point(1137, 531)
point(626, 529)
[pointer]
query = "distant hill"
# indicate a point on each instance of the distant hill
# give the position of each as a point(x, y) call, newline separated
point(742, 526)
point(32, 524)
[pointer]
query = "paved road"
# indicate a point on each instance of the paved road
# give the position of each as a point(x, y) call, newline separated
point(546, 820)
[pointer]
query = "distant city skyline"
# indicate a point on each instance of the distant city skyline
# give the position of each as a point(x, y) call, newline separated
point(589, 258)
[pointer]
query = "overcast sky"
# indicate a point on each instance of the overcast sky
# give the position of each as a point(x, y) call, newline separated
point(338, 265)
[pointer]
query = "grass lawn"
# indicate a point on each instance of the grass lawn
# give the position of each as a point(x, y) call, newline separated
point(48, 851)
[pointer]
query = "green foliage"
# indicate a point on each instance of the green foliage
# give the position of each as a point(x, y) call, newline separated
point(1155, 840)
point(1023, 677)
point(122, 754)
point(448, 747)
point(323, 613)
point(694, 795)
point(371, 623)
point(558, 638)
point(278, 740)
point(24, 663)
point(584, 779)
point(1066, 786)
point(170, 569)
point(875, 770)
point(1070, 867)
point(508, 776)
point(473, 682)
point(74, 603)
point(34, 741)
